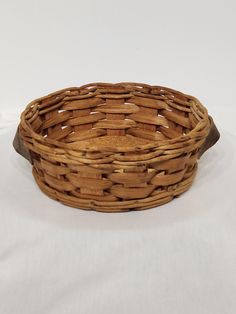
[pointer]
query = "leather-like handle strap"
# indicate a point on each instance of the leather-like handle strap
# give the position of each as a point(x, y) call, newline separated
point(211, 138)
point(20, 147)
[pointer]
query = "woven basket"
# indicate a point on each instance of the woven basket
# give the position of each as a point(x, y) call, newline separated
point(115, 147)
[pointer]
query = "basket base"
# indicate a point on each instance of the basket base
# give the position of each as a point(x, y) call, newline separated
point(156, 199)
point(110, 143)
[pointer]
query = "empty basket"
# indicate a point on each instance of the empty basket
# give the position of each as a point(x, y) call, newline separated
point(115, 147)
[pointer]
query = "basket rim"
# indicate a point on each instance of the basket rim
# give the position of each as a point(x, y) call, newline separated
point(204, 123)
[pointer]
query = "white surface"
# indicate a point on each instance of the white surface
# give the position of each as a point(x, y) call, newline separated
point(175, 259)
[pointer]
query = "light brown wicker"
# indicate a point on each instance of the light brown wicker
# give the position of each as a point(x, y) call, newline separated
point(115, 147)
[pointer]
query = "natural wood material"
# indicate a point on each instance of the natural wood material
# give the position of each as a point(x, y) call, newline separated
point(115, 147)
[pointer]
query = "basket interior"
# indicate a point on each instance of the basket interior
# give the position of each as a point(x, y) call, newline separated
point(108, 116)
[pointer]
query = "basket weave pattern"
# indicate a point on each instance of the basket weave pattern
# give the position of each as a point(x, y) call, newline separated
point(114, 147)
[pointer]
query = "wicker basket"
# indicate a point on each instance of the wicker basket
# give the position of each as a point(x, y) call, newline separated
point(115, 147)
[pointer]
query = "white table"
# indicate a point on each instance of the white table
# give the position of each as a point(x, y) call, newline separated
point(177, 258)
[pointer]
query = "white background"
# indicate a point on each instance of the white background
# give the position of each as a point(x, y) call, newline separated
point(178, 258)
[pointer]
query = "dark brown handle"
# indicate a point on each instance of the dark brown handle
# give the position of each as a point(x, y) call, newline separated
point(211, 139)
point(20, 147)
